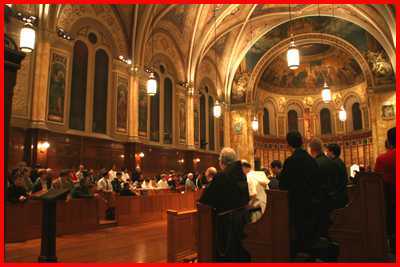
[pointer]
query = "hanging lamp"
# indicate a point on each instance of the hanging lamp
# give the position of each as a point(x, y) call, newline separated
point(217, 110)
point(326, 92)
point(293, 55)
point(27, 39)
point(152, 82)
point(217, 107)
point(255, 123)
point(342, 114)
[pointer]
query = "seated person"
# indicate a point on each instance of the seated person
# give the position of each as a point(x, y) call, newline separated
point(26, 181)
point(146, 184)
point(180, 180)
point(138, 184)
point(42, 183)
point(105, 185)
point(189, 183)
point(273, 182)
point(153, 183)
point(61, 182)
point(163, 182)
point(14, 172)
point(72, 174)
point(173, 181)
point(126, 191)
point(15, 192)
point(81, 191)
point(116, 183)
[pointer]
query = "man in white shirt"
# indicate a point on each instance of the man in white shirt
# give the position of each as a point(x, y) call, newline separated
point(80, 172)
point(125, 174)
point(104, 184)
point(257, 183)
point(112, 172)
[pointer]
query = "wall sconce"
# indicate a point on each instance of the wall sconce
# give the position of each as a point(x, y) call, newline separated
point(181, 160)
point(197, 160)
point(141, 154)
point(127, 61)
point(62, 34)
point(43, 146)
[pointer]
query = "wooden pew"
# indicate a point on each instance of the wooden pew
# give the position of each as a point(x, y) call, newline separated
point(180, 247)
point(351, 189)
point(23, 221)
point(360, 228)
point(205, 233)
point(268, 239)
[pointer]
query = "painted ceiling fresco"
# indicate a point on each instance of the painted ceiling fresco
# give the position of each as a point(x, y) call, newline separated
point(177, 15)
point(274, 8)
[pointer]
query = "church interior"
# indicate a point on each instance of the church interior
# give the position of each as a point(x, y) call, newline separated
point(220, 75)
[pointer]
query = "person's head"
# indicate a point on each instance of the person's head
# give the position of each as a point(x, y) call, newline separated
point(138, 170)
point(276, 167)
point(140, 181)
point(129, 181)
point(210, 173)
point(81, 168)
point(15, 171)
point(163, 177)
point(124, 169)
point(49, 172)
point(333, 150)
point(179, 177)
point(102, 169)
point(17, 179)
point(112, 167)
point(90, 171)
point(173, 177)
point(226, 157)
point(154, 180)
point(119, 175)
point(246, 167)
point(26, 172)
point(147, 180)
point(368, 168)
point(22, 165)
point(84, 181)
point(171, 172)
point(71, 168)
point(294, 140)
point(38, 166)
point(64, 175)
point(190, 176)
point(362, 167)
point(126, 185)
point(316, 147)
point(106, 175)
point(42, 174)
point(85, 173)
point(266, 171)
point(391, 137)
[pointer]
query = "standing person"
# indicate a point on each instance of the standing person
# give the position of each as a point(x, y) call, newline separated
point(100, 174)
point(112, 172)
point(273, 182)
point(386, 164)
point(34, 173)
point(276, 167)
point(125, 174)
point(299, 176)
point(228, 193)
point(136, 174)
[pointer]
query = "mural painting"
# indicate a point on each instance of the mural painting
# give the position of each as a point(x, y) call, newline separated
point(122, 107)
point(221, 132)
point(182, 121)
point(57, 88)
point(143, 103)
point(177, 15)
point(239, 87)
point(196, 125)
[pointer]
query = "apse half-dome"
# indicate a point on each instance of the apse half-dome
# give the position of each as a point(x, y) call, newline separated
point(318, 62)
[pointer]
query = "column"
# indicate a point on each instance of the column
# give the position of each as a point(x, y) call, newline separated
point(227, 129)
point(190, 120)
point(133, 108)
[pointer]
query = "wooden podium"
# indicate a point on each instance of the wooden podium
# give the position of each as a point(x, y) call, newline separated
point(49, 198)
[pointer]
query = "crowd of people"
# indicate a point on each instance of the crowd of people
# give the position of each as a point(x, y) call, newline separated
point(317, 182)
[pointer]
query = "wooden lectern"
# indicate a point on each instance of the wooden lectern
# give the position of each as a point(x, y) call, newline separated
point(49, 198)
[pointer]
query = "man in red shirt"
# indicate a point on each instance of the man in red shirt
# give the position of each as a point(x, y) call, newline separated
point(386, 164)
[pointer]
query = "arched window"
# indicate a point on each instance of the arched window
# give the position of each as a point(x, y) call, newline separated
point(357, 119)
point(210, 123)
point(266, 121)
point(293, 122)
point(202, 121)
point(78, 87)
point(325, 116)
point(100, 92)
point(155, 113)
point(167, 111)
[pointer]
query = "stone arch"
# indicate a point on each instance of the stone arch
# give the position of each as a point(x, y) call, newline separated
point(294, 104)
point(318, 107)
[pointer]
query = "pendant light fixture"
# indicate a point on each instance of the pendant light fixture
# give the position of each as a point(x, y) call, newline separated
point(152, 82)
point(217, 107)
point(342, 111)
point(27, 38)
point(293, 55)
point(326, 92)
point(255, 123)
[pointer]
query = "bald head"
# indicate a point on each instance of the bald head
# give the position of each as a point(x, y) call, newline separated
point(210, 173)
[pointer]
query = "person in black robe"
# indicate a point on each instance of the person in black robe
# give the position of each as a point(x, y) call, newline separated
point(136, 174)
point(299, 176)
point(328, 185)
point(228, 193)
point(15, 192)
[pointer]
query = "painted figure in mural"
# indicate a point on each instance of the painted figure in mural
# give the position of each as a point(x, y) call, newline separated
point(122, 108)
point(298, 80)
point(289, 78)
point(320, 75)
point(343, 78)
point(239, 88)
point(143, 111)
point(221, 132)
point(182, 124)
point(196, 125)
point(57, 90)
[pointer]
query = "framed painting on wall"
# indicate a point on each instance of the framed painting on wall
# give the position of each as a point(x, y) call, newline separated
point(388, 112)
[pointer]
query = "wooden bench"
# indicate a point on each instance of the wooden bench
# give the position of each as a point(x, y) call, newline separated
point(181, 236)
point(360, 228)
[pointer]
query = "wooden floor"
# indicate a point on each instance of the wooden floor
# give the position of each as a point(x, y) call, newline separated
point(140, 243)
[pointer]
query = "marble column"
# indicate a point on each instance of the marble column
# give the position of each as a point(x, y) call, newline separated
point(133, 108)
point(227, 129)
point(190, 120)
